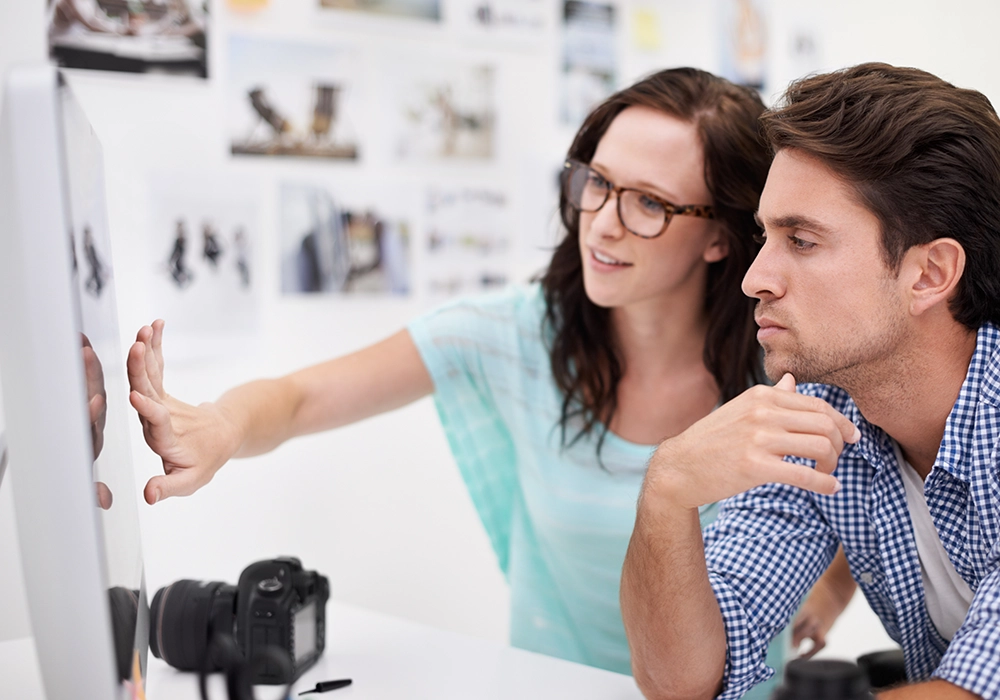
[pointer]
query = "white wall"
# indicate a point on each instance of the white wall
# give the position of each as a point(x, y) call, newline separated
point(379, 506)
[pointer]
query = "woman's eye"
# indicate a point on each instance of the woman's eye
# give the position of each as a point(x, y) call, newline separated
point(595, 180)
point(650, 204)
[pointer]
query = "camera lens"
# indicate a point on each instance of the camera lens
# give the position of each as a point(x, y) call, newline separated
point(184, 616)
point(823, 680)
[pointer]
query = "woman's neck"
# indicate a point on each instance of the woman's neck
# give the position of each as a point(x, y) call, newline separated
point(659, 339)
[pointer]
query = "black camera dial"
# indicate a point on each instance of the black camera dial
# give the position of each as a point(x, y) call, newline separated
point(270, 586)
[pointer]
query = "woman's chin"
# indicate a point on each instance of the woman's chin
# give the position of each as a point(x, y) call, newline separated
point(600, 296)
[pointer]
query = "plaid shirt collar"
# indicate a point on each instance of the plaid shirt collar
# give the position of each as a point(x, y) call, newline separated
point(981, 385)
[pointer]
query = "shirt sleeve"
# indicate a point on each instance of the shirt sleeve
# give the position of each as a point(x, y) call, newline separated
point(470, 350)
point(764, 552)
point(972, 660)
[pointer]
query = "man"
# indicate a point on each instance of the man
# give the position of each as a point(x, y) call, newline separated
point(879, 287)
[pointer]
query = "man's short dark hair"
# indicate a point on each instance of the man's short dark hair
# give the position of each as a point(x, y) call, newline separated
point(922, 155)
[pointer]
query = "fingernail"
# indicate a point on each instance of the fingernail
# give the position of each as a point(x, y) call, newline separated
point(857, 434)
point(156, 497)
point(836, 485)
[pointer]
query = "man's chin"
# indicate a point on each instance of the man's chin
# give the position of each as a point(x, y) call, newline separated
point(775, 366)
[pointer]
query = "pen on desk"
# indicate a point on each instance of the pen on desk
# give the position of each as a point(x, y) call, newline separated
point(324, 686)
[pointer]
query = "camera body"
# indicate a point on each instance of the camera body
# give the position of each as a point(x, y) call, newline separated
point(276, 606)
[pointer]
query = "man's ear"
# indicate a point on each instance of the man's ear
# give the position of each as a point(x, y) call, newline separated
point(935, 269)
point(718, 246)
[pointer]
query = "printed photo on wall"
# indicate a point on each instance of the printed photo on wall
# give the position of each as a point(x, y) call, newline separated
point(515, 20)
point(138, 36)
point(291, 99)
point(203, 278)
point(744, 42)
point(470, 242)
point(443, 110)
point(336, 241)
point(589, 66)
point(420, 9)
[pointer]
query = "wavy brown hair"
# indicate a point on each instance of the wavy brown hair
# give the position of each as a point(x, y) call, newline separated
point(586, 363)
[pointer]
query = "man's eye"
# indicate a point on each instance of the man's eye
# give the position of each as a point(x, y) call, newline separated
point(800, 244)
point(760, 238)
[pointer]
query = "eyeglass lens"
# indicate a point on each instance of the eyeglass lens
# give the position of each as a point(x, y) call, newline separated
point(588, 191)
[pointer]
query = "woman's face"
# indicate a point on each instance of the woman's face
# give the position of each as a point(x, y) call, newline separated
point(651, 151)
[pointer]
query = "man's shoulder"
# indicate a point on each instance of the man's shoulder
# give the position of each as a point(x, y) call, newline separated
point(988, 354)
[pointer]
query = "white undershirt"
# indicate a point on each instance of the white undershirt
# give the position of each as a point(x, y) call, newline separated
point(947, 595)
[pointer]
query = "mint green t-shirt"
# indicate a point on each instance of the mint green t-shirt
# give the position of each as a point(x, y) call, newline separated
point(559, 520)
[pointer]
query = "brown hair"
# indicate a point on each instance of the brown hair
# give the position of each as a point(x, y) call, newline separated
point(585, 363)
point(922, 155)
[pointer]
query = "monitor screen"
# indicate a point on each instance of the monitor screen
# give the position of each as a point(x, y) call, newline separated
point(66, 398)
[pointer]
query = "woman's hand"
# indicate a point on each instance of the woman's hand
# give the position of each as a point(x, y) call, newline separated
point(193, 441)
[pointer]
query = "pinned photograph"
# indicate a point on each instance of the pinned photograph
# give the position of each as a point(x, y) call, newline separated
point(515, 20)
point(744, 42)
point(336, 243)
point(444, 111)
point(291, 99)
point(138, 36)
point(203, 279)
point(589, 65)
point(418, 9)
point(469, 240)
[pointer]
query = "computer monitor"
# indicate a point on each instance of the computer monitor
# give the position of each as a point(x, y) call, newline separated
point(65, 395)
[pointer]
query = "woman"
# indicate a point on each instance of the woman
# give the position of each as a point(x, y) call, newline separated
point(553, 396)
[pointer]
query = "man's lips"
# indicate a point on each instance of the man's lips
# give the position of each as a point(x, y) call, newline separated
point(768, 328)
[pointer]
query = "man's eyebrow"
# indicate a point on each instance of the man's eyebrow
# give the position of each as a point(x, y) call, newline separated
point(795, 221)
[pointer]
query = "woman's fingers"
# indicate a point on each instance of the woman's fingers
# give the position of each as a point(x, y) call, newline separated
point(155, 419)
point(179, 482)
point(154, 355)
point(138, 375)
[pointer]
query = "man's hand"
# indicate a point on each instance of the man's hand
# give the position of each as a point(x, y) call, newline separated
point(743, 443)
point(193, 441)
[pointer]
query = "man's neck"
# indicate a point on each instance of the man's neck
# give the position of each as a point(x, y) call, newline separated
point(913, 399)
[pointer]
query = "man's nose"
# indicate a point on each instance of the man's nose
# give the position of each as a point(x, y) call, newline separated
point(762, 279)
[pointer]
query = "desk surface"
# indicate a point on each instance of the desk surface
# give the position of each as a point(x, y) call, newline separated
point(387, 658)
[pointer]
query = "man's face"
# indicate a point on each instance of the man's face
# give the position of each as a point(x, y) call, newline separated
point(829, 309)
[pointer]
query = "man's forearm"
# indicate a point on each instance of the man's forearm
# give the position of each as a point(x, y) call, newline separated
point(675, 630)
point(931, 690)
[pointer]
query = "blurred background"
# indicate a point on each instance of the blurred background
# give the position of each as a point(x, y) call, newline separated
point(290, 180)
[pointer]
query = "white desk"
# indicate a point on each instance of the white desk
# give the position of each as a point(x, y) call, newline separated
point(387, 658)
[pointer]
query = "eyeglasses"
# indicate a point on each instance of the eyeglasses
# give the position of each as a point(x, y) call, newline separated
point(642, 213)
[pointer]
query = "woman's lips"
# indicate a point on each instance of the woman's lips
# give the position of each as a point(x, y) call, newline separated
point(597, 263)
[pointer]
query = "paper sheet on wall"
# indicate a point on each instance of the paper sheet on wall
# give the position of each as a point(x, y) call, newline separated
point(345, 238)
point(469, 239)
point(589, 59)
point(292, 99)
point(204, 233)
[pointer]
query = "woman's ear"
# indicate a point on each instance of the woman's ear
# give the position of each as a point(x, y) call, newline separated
point(935, 269)
point(718, 245)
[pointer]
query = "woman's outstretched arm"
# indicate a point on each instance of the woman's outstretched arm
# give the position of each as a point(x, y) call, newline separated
point(195, 441)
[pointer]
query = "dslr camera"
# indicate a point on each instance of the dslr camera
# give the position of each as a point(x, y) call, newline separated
point(277, 606)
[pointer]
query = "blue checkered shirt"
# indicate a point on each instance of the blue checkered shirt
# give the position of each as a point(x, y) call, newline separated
point(770, 545)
